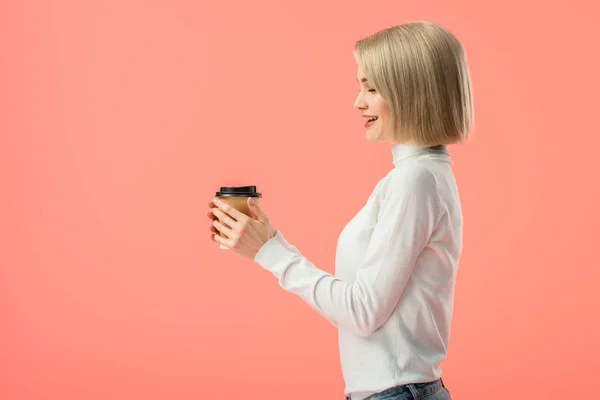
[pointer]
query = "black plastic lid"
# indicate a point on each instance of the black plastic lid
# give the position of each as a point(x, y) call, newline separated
point(239, 191)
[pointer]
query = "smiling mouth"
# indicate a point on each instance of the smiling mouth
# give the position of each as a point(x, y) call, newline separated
point(371, 121)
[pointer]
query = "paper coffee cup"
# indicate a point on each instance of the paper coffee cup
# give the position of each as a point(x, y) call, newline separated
point(237, 197)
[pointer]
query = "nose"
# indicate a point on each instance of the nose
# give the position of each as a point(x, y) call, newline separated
point(359, 102)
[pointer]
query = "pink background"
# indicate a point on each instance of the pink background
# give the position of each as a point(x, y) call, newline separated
point(120, 119)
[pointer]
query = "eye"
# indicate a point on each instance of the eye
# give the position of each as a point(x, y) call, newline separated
point(372, 90)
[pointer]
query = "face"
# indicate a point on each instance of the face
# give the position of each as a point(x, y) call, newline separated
point(371, 104)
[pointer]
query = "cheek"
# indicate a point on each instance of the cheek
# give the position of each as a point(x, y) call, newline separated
point(384, 117)
point(383, 114)
point(383, 108)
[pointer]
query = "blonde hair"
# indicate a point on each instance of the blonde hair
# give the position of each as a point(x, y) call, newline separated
point(421, 70)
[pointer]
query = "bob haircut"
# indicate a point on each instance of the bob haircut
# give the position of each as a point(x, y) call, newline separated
point(421, 70)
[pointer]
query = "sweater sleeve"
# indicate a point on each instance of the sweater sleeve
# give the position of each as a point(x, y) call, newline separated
point(407, 217)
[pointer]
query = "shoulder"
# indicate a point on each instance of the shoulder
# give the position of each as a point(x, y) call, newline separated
point(416, 177)
point(412, 188)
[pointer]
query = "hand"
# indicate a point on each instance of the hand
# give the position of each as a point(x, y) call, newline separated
point(245, 235)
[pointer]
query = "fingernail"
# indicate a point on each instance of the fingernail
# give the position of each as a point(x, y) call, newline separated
point(251, 201)
point(215, 200)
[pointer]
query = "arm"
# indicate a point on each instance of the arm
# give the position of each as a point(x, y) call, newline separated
point(406, 220)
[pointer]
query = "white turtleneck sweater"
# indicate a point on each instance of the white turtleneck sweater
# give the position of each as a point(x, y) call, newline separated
point(395, 267)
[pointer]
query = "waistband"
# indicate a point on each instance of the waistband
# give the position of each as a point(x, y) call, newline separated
point(416, 390)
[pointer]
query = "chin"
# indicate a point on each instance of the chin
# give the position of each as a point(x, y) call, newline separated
point(374, 138)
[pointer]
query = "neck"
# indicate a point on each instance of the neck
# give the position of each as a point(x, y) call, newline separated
point(401, 151)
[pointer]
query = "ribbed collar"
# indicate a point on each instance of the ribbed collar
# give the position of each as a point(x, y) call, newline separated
point(402, 151)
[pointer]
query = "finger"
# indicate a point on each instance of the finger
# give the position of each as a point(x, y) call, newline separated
point(257, 211)
point(224, 241)
point(211, 215)
point(223, 229)
point(213, 229)
point(225, 218)
point(211, 205)
point(238, 216)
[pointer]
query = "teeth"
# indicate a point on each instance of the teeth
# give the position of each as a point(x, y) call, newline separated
point(372, 119)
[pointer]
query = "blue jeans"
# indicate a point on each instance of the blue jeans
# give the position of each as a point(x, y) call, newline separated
point(414, 391)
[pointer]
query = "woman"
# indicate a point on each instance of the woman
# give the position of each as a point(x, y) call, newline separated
point(392, 294)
